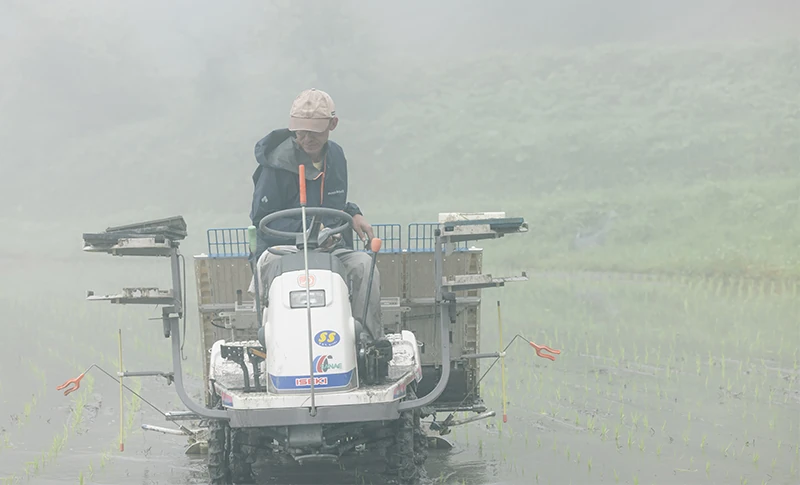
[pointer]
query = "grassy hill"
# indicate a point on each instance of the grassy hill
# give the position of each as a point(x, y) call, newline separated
point(695, 149)
point(595, 118)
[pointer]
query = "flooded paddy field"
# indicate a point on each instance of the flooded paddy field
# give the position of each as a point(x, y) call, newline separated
point(663, 382)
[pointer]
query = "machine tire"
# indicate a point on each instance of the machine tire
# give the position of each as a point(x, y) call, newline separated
point(420, 441)
point(228, 455)
point(406, 454)
point(240, 455)
point(219, 469)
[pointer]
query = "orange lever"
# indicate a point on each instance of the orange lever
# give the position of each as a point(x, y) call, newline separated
point(540, 348)
point(76, 381)
point(303, 199)
point(375, 245)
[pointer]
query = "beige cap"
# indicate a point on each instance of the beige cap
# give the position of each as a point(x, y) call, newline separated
point(312, 110)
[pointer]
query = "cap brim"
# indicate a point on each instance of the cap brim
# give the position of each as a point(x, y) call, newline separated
point(308, 124)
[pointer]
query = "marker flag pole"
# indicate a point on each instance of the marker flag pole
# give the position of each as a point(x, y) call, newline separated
point(303, 201)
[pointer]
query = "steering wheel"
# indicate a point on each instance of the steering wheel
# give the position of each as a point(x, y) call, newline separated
point(310, 211)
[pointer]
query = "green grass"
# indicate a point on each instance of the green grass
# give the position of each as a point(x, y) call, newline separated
point(59, 351)
point(667, 377)
point(610, 116)
point(695, 147)
point(739, 228)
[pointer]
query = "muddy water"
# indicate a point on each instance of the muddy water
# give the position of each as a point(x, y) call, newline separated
point(656, 383)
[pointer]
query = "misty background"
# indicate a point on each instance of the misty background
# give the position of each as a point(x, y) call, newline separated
point(562, 112)
point(634, 137)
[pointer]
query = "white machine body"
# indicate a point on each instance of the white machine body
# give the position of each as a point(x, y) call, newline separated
point(404, 368)
point(333, 334)
point(286, 368)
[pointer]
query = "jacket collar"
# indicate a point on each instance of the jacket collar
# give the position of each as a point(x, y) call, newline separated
point(289, 156)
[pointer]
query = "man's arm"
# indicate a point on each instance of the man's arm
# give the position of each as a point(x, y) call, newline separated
point(352, 209)
point(361, 226)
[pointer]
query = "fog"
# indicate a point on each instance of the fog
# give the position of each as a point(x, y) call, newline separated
point(653, 147)
point(111, 107)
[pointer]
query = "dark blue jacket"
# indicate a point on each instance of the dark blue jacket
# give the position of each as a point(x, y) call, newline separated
point(277, 186)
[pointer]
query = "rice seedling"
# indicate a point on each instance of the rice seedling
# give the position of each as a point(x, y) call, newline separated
point(725, 450)
point(722, 364)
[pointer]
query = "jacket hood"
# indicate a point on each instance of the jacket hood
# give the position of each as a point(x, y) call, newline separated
point(279, 150)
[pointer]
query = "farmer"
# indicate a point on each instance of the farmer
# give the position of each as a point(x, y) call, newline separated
point(279, 154)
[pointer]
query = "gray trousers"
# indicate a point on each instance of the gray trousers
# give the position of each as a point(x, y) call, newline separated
point(357, 266)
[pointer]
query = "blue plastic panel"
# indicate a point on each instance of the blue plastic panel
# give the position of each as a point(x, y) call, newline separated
point(231, 242)
point(228, 242)
point(391, 236)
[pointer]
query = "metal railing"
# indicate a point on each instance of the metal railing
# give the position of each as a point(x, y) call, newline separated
point(231, 242)
point(391, 236)
point(228, 242)
point(421, 237)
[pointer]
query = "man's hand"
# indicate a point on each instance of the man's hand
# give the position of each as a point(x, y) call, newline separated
point(363, 228)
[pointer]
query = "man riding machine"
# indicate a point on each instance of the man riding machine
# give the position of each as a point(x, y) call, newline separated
point(300, 166)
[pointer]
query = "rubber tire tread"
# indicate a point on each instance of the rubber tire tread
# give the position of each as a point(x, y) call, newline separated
point(240, 452)
point(406, 456)
point(219, 470)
